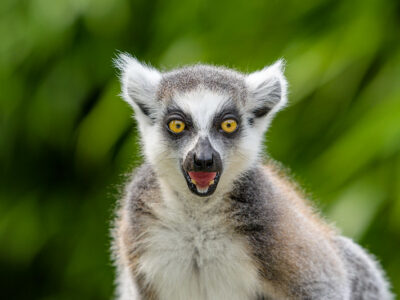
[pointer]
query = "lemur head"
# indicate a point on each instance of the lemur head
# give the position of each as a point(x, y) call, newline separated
point(201, 126)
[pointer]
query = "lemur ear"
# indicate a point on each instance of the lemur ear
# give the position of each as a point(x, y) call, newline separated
point(139, 85)
point(267, 90)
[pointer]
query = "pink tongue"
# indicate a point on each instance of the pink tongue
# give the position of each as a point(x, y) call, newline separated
point(202, 178)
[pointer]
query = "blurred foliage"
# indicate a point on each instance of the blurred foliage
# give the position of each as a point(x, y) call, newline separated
point(66, 137)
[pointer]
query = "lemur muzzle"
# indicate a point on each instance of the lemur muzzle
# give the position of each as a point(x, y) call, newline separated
point(202, 168)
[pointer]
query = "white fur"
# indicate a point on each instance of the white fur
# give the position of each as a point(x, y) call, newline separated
point(180, 240)
point(139, 86)
point(201, 104)
point(127, 289)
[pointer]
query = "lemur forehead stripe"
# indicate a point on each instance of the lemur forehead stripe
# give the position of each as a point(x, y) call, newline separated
point(214, 78)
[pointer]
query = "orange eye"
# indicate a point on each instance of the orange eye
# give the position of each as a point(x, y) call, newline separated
point(229, 125)
point(176, 126)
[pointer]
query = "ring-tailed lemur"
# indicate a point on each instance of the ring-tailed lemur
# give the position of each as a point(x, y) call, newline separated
point(203, 218)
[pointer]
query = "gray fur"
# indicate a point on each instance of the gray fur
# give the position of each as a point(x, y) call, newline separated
point(278, 240)
point(217, 79)
point(366, 277)
point(132, 214)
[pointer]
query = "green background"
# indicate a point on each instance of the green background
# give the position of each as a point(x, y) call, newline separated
point(67, 139)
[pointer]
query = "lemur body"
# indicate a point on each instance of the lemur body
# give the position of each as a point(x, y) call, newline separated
point(202, 218)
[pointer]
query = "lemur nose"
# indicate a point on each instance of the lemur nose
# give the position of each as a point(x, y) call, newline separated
point(204, 160)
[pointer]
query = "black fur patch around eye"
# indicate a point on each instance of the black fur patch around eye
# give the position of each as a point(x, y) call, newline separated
point(261, 111)
point(174, 113)
point(230, 112)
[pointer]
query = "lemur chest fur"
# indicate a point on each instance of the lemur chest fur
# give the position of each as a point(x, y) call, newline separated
point(198, 256)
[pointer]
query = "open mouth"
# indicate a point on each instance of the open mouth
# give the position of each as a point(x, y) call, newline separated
point(202, 183)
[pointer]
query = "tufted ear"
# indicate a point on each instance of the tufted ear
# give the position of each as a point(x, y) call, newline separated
point(139, 86)
point(267, 91)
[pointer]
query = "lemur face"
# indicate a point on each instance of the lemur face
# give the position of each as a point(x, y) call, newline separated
point(202, 126)
point(204, 131)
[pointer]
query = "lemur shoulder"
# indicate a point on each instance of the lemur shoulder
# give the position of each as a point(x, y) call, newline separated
point(204, 217)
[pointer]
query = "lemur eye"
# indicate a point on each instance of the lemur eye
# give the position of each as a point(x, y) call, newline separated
point(176, 126)
point(229, 125)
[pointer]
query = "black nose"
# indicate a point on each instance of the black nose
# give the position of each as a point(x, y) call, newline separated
point(203, 160)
